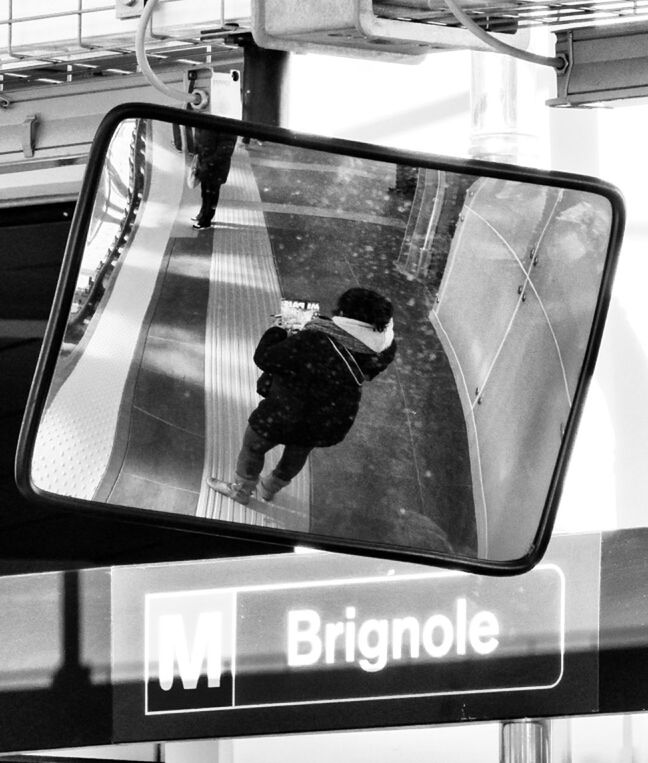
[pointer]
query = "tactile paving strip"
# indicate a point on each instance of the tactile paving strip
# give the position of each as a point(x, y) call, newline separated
point(244, 293)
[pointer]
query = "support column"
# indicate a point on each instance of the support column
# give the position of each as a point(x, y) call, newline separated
point(525, 742)
point(264, 84)
point(199, 751)
point(509, 119)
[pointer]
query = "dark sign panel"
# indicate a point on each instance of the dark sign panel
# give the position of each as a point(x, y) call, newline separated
point(243, 646)
point(211, 648)
point(394, 636)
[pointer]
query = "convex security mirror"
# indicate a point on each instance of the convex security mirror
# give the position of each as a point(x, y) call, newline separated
point(413, 335)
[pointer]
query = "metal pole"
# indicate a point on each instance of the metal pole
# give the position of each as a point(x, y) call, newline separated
point(526, 741)
point(508, 114)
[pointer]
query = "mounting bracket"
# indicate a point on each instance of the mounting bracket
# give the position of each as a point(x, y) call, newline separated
point(29, 135)
point(128, 9)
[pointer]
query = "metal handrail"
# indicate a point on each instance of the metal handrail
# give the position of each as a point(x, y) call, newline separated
point(134, 200)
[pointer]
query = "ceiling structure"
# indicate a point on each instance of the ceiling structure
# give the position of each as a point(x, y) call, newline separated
point(91, 39)
point(83, 39)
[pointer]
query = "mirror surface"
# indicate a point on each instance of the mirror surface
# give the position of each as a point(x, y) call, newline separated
point(494, 285)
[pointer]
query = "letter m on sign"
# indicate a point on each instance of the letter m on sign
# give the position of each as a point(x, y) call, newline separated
point(189, 650)
point(173, 650)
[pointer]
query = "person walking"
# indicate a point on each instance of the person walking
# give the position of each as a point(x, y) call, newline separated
point(311, 387)
point(214, 151)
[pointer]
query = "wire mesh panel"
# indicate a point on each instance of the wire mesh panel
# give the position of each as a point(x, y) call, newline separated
point(501, 16)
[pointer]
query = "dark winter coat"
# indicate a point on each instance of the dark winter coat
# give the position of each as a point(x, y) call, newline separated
point(314, 395)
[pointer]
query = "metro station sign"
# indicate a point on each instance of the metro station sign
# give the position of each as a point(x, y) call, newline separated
point(393, 636)
point(239, 646)
point(292, 643)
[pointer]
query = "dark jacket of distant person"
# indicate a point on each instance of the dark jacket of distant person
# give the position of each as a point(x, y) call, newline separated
point(314, 382)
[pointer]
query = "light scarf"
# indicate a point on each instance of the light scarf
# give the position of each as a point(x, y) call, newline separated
point(356, 336)
point(376, 341)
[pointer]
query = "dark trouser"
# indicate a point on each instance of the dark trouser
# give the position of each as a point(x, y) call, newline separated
point(252, 457)
point(210, 194)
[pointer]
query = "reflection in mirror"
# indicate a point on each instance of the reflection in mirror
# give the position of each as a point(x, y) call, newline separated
point(198, 244)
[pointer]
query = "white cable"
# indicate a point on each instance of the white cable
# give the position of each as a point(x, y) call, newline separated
point(198, 98)
point(556, 62)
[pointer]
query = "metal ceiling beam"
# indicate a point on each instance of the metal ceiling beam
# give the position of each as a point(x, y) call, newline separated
point(607, 65)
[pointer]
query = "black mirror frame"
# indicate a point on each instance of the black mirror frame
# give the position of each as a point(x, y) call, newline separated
point(212, 527)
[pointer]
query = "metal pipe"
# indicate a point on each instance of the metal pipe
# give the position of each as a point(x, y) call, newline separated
point(198, 98)
point(559, 63)
point(525, 741)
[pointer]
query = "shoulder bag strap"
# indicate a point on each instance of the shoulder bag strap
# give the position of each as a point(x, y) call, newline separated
point(346, 362)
